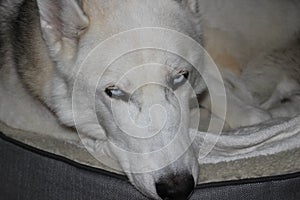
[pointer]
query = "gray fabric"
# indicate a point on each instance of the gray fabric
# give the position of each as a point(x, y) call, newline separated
point(265, 165)
point(30, 176)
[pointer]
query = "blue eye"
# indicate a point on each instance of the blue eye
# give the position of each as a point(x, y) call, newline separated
point(180, 79)
point(115, 92)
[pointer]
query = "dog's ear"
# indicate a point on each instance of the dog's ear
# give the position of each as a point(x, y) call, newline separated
point(62, 23)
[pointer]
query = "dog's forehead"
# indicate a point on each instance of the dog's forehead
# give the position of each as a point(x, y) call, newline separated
point(143, 66)
point(131, 78)
point(109, 17)
point(98, 9)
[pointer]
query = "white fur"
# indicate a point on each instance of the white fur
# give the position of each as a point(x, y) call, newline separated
point(109, 17)
point(257, 39)
point(149, 113)
point(244, 29)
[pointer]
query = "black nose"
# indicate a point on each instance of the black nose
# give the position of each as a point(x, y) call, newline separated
point(175, 187)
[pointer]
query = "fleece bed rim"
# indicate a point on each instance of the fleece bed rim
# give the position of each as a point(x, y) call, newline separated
point(81, 166)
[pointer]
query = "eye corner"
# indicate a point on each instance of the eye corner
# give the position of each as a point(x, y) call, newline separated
point(108, 92)
point(186, 74)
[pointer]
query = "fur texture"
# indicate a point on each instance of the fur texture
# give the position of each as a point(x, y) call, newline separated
point(44, 43)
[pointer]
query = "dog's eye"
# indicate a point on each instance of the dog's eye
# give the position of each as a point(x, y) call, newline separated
point(180, 79)
point(115, 92)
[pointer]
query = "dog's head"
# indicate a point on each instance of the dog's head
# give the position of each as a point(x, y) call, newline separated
point(141, 99)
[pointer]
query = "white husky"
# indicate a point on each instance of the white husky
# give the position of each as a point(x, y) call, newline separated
point(140, 102)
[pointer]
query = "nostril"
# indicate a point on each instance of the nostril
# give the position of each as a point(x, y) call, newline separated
point(175, 187)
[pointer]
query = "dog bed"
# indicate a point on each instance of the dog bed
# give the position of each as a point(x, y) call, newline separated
point(257, 162)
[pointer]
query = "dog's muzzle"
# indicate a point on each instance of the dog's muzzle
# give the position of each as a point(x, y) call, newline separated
point(175, 187)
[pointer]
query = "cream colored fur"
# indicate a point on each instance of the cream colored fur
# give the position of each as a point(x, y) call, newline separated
point(36, 93)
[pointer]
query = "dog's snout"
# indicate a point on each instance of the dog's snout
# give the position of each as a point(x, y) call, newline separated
point(175, 187)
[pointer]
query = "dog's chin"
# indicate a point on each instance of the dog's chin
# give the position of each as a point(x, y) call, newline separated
point(145, 183)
